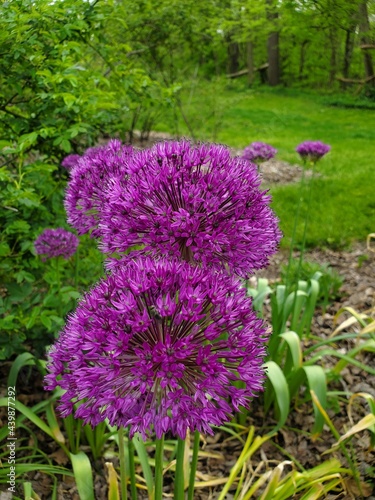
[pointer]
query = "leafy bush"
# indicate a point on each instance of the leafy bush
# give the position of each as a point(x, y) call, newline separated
point(62, 88)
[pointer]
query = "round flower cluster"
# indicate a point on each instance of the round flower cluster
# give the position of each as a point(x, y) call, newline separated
point(312, 150)
point(90, 177)
point(159, 346)
point(259, 152)
point(55, 243)
point(191, 202)
point(160, 343)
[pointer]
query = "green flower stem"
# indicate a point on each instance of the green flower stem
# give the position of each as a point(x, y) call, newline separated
point(133, 487)
point(306, 218)
point(294, 232)
point(76, 269)
point(121, 445)
point(78, 433)
point(159, 468)
point(193, 466)
point(69, 429)
point(302, 251)
point(179, 479)
point(59, 307)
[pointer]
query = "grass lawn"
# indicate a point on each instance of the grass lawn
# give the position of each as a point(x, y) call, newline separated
point(343, 204)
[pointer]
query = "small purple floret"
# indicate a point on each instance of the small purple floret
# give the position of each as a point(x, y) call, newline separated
point(55, 243)
point(191, 202)
point(312, 150)
point(91, 176)
point(70, 161)
point(159, 346)
point(259, 152)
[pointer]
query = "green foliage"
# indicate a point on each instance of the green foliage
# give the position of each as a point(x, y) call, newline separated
point(284, 119)
point(65, 81)
point(330, 281)
point(294, 372)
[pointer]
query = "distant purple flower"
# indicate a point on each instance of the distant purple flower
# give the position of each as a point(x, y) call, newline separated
point(158, 346)
point(70, 161)
point(259, 152)
point(193, 202)
point(92, 174)
point(312, 150)
point(56, 242)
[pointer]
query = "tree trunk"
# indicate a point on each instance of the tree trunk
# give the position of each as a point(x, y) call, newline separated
point(250, 62)
point(333, 58)
point(302, 56)
point(349, 45)
point(233, 57)
point(273, 48)
point(364, 31)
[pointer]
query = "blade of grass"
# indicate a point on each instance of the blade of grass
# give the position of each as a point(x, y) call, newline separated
point(330, 424)
point(144, 461)
point(48, 469)
point(24, 359)
point(312, 297)
point(273, 482)
point(251, 446)
point(179, 475)
point(369, 345)
point(113, 489)
point(366, 422)
point(54, 426)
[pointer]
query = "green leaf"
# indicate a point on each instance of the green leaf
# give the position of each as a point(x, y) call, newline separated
point(144, 460)
point(4, 249)
point(24, 359)
point(48, 469)
point(294, 343)
point(316, 379)
point(83, 475)
point(46, 320)
point(280, 388)
point(66, 146)
point(27, 140)
point(29, 413)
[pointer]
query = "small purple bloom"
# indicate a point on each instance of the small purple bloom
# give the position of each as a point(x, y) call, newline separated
point(191, 202)
point(259, 152)
point(312, 150)
point(159, 346)
point(56, 242)
point(89, 179)
point(70, 161)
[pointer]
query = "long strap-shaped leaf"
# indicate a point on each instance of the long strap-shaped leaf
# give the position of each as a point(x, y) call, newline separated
point(281, 390)
point(144, 461)
point(83, 475)
point(317, 382)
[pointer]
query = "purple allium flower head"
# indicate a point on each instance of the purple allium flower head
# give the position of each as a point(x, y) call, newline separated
point(55, 242)
point(259, 152)
point(70, 161)
point(92, 174)
point(312, 150)
point(193, 202)
point(158, 346)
